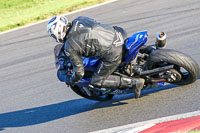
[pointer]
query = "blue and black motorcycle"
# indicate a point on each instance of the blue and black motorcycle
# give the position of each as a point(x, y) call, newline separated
point(153, 63)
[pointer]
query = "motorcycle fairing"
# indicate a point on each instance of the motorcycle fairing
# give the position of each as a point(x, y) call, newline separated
point(90, 63)
point(133, 44)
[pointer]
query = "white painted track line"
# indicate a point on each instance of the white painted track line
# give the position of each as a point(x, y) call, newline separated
point(137, 127)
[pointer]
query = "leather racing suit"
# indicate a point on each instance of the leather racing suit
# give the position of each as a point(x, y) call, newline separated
point(89, 38)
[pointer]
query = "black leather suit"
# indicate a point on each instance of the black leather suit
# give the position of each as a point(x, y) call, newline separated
point(89, 38)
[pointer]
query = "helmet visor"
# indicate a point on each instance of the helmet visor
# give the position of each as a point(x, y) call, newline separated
point(52, 35)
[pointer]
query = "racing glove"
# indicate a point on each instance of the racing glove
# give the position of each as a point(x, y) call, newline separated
point(70, 75)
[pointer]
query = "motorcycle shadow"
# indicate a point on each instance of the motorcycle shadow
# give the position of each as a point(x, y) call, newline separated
point(38, 115)
point(43, 114)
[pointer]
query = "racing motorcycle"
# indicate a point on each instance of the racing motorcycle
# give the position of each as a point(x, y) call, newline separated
point(153, 63)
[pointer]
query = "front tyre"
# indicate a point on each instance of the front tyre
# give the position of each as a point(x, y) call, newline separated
point(187, 68)
point(92, 95)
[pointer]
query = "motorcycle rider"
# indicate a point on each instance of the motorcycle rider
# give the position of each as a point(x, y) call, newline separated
point(86, 37)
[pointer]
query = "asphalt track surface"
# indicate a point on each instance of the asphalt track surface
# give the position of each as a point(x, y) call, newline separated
point(33, 100)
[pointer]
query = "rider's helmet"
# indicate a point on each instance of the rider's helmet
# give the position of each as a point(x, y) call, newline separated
point(57, 28)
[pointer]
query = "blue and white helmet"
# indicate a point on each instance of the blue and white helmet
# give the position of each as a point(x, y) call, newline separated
point(57, 28)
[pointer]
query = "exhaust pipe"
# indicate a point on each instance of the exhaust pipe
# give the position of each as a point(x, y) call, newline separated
point(161, 40)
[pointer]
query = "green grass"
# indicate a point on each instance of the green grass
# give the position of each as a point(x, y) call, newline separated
point(195, 131)
point(14, 13)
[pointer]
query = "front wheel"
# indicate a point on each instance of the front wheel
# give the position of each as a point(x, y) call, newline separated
point(186, 70)
point(91, 94)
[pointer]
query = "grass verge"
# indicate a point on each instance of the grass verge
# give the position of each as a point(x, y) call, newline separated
point(194, 131)
point(15, 13)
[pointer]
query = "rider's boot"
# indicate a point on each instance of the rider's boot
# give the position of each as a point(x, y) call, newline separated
point(138, 87)
point(114, 81)
point(136, 83)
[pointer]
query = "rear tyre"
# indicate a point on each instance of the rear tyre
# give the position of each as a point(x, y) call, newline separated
point(185, 65)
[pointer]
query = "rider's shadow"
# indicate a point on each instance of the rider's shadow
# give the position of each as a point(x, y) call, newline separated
point(38, 115)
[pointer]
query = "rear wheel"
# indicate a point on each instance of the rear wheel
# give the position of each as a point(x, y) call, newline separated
point(185, 71)
point(91, 94)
